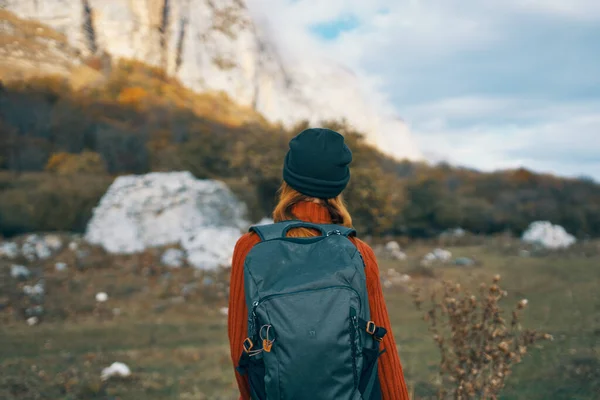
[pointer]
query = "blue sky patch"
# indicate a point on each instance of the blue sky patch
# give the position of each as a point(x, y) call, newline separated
point(332, 29)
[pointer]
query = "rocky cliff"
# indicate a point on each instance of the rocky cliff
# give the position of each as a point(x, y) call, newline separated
point(214, 45)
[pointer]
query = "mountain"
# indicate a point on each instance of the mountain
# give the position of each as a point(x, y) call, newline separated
point(214, 45)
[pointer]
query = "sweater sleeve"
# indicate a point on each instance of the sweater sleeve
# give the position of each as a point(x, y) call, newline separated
point(238, 312)
point(391, 376)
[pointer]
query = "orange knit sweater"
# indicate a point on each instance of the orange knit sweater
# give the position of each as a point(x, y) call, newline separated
point(393, 386)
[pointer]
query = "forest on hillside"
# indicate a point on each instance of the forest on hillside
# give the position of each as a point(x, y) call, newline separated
point(60, 149)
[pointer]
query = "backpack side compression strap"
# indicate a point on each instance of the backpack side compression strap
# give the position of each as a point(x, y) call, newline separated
point(279, 229)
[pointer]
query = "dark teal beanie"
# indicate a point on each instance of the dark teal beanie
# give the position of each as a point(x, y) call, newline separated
point(317, 163)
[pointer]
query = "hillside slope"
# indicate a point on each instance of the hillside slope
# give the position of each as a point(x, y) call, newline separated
point(95, 119)
point(215, 46)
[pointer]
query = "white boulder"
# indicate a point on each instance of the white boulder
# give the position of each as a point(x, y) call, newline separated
point(101, 297)
point(454, 233)
point(53, 242)
point(35, 290)
point(172, 258)
point(398, 255)
point(159, 209)
point(35, 247)
point(60, 266)
point(393, 251)
point(19, 271)
point(9, 250)
point(392, 246)
point(116, 369)
point(437, 255)
point(442, 255)
point(547, 235)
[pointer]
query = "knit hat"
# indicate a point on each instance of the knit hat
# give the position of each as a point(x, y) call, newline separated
point(317, 163)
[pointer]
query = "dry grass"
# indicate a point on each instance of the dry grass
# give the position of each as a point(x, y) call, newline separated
point(177, 345)
point(31, 29)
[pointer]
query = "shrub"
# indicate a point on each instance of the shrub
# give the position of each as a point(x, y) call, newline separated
point(87, 162)
point(478, 346)
point(45, 202)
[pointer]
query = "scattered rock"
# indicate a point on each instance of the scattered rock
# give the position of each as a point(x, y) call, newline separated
point(464, 262)
point(35, 248)
point(53, 242)
point(173, 258)
point(116, 369)
point(392, 246)
point(442, 255)
point(400, 279)
point(73, 246)
point(395, 278)
point(437, 255)
point(453, 233)
point(9, 250)
point(34, 311)
point(19, 272)
point(390, 251)
point(35, 290)
point(60, 266)
point(159, 209)
point(31, 321)
point(398, 255)
point(101, 297)
point(224, 310)
point(543, 233)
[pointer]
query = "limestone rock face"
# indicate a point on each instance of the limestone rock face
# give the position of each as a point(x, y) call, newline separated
point(216, 46)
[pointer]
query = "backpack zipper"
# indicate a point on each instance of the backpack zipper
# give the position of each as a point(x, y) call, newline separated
point(353, 330)
point(254, 319)
point(271, 296)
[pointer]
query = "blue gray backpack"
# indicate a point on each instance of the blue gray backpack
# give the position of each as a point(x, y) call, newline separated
point(309, 330)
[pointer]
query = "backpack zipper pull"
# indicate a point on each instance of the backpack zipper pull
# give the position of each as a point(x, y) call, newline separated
point(253, 320)
point(334, 232)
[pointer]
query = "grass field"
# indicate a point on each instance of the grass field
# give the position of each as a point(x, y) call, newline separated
point(169, 330)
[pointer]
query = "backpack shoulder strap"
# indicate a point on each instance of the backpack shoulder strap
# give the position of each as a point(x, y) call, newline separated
point(279, 230)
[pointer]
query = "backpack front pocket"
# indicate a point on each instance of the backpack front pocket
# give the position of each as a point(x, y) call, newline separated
point(314, 352)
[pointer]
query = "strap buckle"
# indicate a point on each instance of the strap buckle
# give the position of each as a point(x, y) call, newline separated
point(371, 328)
point(247, 345)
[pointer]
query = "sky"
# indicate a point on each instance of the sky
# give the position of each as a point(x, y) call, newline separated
point(489, 84)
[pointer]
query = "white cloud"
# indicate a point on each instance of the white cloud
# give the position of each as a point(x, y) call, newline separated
point(490, 84)
point(560, 145)
point(577, 9)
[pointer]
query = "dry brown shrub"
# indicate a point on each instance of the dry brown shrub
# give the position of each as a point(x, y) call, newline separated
point(478, 344)
point(86, 162)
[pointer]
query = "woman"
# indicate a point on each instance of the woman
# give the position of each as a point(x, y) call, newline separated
point(315, 173)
